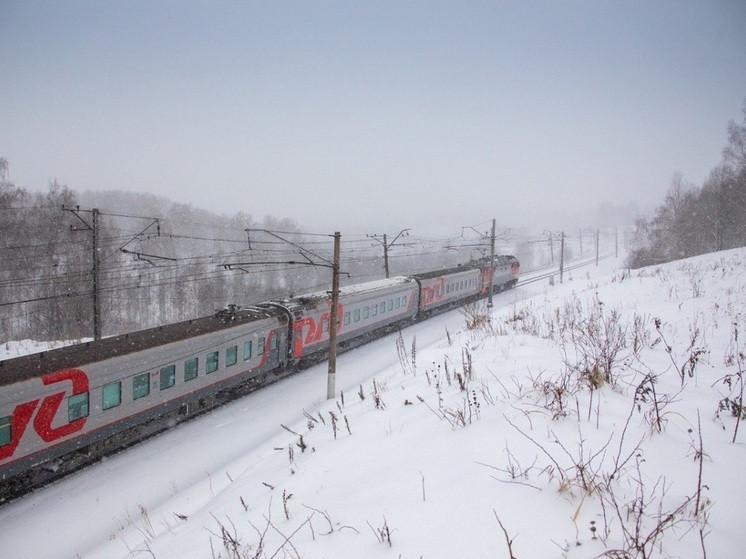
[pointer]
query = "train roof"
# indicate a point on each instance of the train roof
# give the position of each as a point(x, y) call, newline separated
point(498, 259)
point(18, 369)
point(445, 272)
point(377, 285)
point(370, 286)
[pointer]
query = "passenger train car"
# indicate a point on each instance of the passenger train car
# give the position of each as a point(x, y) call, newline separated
point(67, 407)
point(363, 309)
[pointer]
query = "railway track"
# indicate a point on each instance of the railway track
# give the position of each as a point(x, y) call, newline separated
point(549, 272)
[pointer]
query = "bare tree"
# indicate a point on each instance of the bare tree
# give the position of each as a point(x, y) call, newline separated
point(735, 152)
point(693, 221)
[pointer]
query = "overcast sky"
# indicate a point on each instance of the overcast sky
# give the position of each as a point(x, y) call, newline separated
point(371, 115)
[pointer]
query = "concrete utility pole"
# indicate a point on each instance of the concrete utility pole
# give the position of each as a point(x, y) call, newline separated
point(551, 245)
point(492, 264)
point(616, 242)
point(598, 231)
point(562, 257)
point(96, 303)
point(386, 247)
point(385, 255)
point(333, 322)
point(93, 227)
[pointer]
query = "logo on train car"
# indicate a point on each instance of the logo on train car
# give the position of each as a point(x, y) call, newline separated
point(432, 293)
point(47, 411)
point(315, 329)
point(486, 278)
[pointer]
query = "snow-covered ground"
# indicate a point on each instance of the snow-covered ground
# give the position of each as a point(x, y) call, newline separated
point(455, 445)
point(24, 347)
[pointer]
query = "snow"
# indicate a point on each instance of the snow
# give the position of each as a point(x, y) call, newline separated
point(439, 467)
point(25, 347)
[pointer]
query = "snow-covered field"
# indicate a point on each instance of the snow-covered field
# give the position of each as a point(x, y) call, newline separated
point(582, 418)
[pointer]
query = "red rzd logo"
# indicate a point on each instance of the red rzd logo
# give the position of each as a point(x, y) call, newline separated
point(47, 410)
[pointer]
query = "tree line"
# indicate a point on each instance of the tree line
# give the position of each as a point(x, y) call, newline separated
point(696, 220)
point(151, 261)
point(145, 271)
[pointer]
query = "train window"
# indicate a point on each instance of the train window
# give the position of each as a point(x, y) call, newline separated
point(77, 406)
point(231, 356)
point(140, 386)
point(346, 318)
point(397, 303)
point(324, 324)
point(168, 376)
point(111, 395)
point(374, 310)
point(273, 343)
point(404, 301)
point(382, 307)
point(246, 351)
point(390, 306)
point(356, 315)
point(366, 312)
point(260, 346)
point(191, 367)
point(212, 362)
point(4, 431)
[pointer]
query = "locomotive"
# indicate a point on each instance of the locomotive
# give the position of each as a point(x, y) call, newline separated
point(65, 408)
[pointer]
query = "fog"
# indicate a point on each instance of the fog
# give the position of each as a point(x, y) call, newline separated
point(363, 117)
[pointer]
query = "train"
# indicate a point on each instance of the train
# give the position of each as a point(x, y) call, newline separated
point(65, 408)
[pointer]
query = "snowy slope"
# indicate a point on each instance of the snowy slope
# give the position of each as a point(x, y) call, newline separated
point(427, 457)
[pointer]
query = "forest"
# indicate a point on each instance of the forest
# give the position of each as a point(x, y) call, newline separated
point(694, 220)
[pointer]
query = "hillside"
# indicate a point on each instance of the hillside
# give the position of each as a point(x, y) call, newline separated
point(590, 419)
